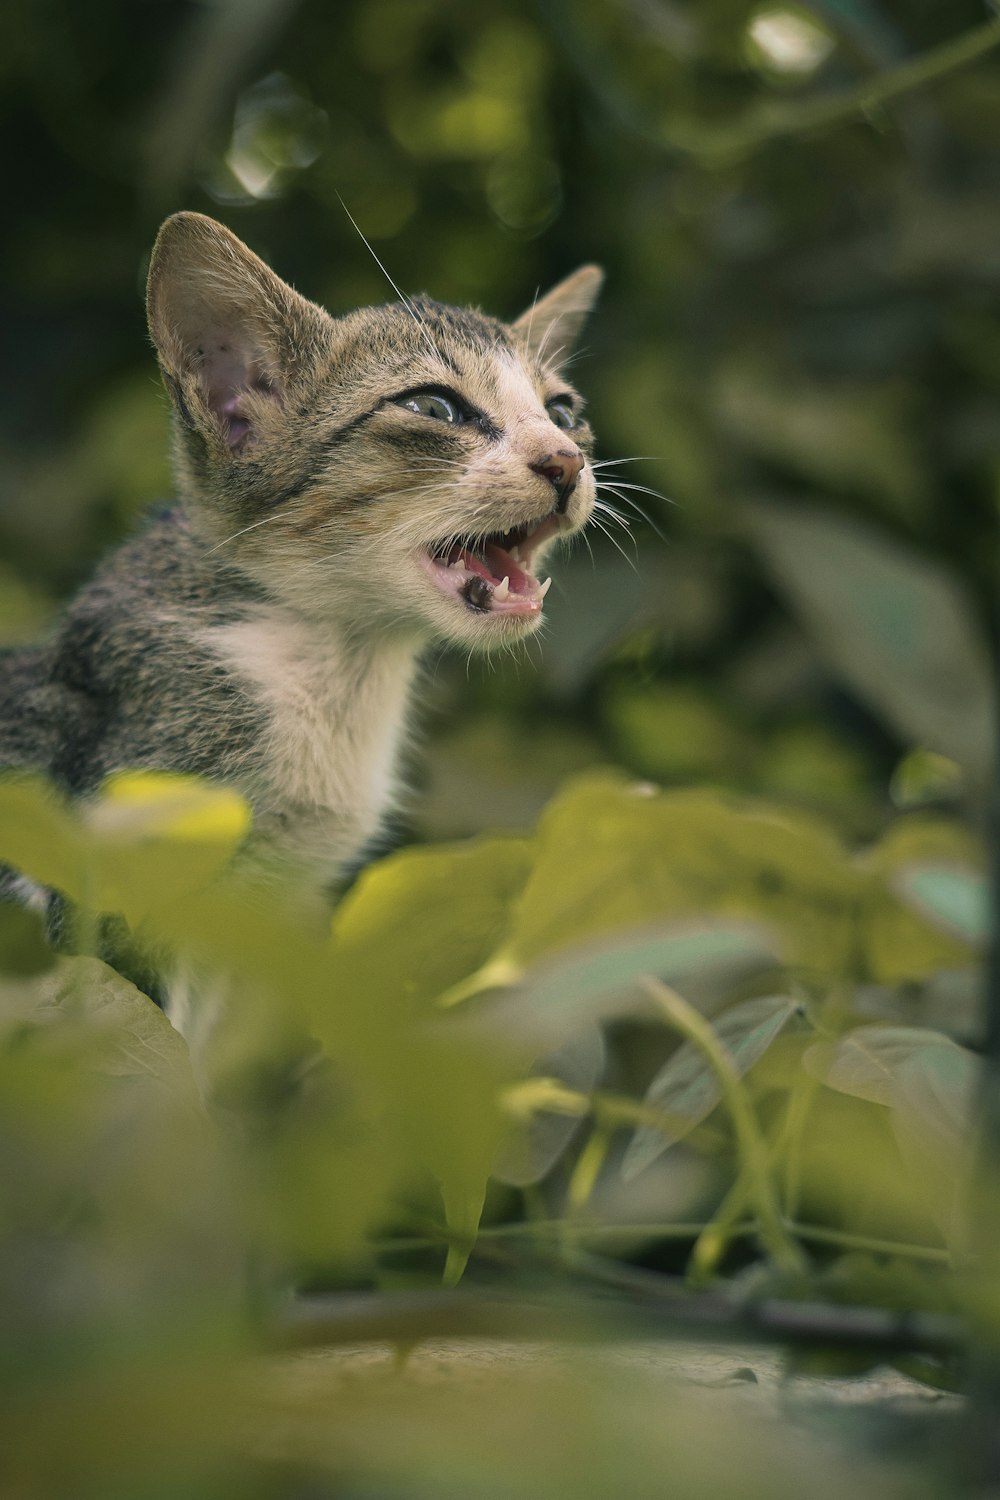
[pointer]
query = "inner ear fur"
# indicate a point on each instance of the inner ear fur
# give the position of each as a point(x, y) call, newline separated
point(230, 334)
point(550, 328)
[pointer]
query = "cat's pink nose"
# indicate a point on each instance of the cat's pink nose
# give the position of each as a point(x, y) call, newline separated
point(562, 470)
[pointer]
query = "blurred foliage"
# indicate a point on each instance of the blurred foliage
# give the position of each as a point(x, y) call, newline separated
point(341, 1103)
point(472, 1072)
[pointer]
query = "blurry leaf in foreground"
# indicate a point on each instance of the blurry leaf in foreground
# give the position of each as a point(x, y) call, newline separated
point(613, 856)
point(597, 982)
point(686, 1089)
point(866, 1061)
point(23, 949)
point(421, 920)
point(953, 898)
point(147, 840)
point(895, 625)
point(413, 925)
point(123, 1032)
point(121, 1252)
point(39, 835)
point(928, 1084)
point(924, 911)
point(155, 838)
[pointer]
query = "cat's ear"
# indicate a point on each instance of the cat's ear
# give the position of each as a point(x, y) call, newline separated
point(551, 326)
point(231, 335)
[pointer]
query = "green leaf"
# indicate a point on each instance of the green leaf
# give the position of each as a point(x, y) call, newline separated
point(147, 840)
point(39, 835)
point(855, 438)
point(153, 839)
point(614, 856)
point(423, 919)
point(686, 1090)
point(599, 981)
point(24, 951)
point(895, 625)
point(125, 1033)
point(914, 933)
point(953, 898)
point(867, 1061)
point(412, 926)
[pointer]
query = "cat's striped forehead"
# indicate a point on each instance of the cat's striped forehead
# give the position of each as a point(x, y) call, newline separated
point(409, 331)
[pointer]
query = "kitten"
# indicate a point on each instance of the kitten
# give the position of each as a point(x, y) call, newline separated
point(351, 490)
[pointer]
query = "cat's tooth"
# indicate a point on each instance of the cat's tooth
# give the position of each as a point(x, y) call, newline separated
point(458, 563)
point(502, 589)
point(543, 588)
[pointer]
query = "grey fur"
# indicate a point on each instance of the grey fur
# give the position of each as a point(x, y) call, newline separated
point(121, 684)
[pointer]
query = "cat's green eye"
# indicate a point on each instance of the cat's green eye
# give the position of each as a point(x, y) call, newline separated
point(562, 414)
point(431, 404)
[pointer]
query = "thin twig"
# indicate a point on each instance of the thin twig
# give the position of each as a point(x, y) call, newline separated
point(772, 118)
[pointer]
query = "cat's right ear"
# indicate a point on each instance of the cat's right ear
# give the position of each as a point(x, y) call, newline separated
point(230, 334)
point(552, 325)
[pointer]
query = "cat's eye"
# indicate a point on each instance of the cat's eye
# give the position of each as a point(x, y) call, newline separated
point(561, 413)
point(433, 404)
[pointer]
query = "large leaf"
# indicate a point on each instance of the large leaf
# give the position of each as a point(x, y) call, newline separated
point(928, 1083)
point(686, 1089)
point(598, 981)
point(147, 840)
point(420, 921)
point(40, 837)
point(614, 856)
point(924, 911)
point(413, 925)
point(954, 898)
point(867, 1061)
point(847, 438)
point(124, 1033)
point(896, 626)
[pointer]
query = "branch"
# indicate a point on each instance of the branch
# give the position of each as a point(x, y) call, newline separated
point(772, 118)
point(665, 1310)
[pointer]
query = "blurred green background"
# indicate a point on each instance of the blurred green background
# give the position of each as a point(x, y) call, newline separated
point(799, 346)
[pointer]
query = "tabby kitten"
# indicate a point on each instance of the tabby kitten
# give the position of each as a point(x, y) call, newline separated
point(351, 489)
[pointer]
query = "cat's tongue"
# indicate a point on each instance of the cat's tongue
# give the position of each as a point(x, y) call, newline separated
point(497, 566)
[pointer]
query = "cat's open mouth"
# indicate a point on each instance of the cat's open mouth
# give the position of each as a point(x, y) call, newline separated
point(492, 574)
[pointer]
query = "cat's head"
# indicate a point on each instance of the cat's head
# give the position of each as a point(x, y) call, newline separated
point(403, 467)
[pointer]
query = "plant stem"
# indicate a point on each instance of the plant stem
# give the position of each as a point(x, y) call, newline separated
point(714, 1239)
point(683, 1017)
point(611, 1234)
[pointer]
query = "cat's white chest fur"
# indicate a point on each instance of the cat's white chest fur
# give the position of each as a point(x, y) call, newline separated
point(336, 716)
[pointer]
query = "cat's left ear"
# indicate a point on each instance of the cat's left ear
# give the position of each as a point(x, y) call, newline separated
point(551, 326)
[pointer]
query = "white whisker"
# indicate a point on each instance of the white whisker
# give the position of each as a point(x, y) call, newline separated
point(252, 527)
point(614, 542)
point(401, 295)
